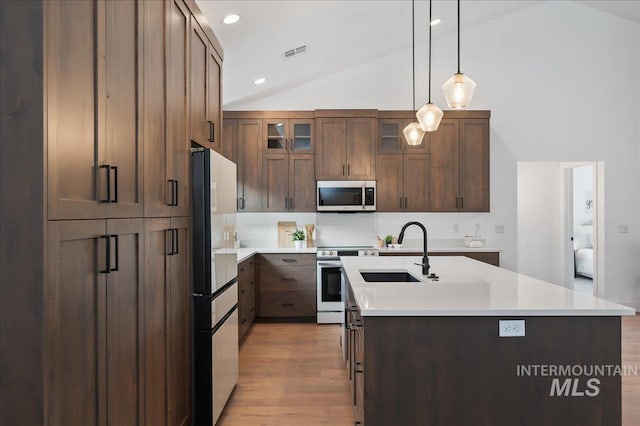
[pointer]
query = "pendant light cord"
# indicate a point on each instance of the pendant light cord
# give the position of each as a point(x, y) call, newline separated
point(429, 23)
point(458, 36)
point(413, 49)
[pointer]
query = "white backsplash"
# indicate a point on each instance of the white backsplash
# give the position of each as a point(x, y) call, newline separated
point(260, 230)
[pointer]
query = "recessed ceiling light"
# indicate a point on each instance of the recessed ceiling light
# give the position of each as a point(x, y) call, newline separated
point(435, 21)
point(231, 19)
point(260, 80)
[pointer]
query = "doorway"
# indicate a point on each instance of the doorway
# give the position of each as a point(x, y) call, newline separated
point(581, 206)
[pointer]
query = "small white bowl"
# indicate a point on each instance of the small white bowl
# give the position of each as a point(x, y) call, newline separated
point(395, 245)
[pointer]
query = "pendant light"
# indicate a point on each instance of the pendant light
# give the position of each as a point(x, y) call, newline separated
point(413, 133)
point(429, 116)
point(459, 89)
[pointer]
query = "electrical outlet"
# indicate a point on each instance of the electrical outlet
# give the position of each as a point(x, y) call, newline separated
point(499, 229)
point(511, 328)
point(623, 229)
point(456, 228)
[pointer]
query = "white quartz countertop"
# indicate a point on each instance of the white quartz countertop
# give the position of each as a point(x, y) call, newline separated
point(246, 252)
point(454, 249)
point(466, 287)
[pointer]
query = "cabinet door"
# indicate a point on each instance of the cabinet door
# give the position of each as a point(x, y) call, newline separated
point(302, 183)
point(124, 321)
point(331, 154)
point(361, 150)
point(75, 182)
point(179, 327)
point(157, 190)
point(301, 136)
point(423, 148)
point(276, 135)
point(416, 182)
point(178, 131)
point(198, 83)
point(390, 137)
point(156, 288)
point(214, 100)
point(123, 40)
point(389, 191)
point(275, 187)
point(229, 138)
point(474, 165)
point(444, 194)
point(250, 165)
point(75, 324)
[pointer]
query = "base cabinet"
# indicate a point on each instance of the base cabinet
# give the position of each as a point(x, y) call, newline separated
point(246, 296)
point(287, 286)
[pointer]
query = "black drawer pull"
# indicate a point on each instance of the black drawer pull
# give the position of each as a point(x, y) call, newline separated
point(252, 283)
point(243, 321)
point(290, 260)
point(243, 291)
point(108, 181)
point(289, 280)
point(359, 371)
point(288, 304)
point(241, 269)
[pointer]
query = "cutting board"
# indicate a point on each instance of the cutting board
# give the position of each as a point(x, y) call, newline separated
point(284, 233)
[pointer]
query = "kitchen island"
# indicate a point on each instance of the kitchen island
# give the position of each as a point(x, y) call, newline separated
point(430, 352)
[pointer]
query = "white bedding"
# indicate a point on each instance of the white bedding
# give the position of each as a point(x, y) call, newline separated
point(584, 262)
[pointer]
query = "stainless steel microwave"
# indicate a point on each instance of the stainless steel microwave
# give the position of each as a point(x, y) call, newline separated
point(346, 195)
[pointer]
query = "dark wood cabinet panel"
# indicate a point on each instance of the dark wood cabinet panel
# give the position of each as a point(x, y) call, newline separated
point(250, 165)
point(75, 183)
point(214, 100)
point(178, 129)
point(361, 150)
point(123, 40)
point(198, 83)
point(302, 183)
point(288, 135)
point(287, 259)
point(389, 187)
point(75, 318)
point(444, 166)
point(474, 163)
point(179, 328)
point(331, 153)
point(275, 188)
point(391, 140)
point(157, 189)
point(246, 296)
point(416, 182)
point(229, 138)
point(287, 286)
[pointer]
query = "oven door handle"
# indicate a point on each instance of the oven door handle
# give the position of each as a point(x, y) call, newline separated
point(329, 264)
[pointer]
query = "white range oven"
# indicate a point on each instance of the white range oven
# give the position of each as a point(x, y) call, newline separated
point(330, 283)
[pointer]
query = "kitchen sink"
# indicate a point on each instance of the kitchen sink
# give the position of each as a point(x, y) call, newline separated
point(389, 276)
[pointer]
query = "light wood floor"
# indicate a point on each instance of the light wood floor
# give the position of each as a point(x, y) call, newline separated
point(292, 374)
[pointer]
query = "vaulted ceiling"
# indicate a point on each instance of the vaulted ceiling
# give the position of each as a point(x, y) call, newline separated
point(338, 34)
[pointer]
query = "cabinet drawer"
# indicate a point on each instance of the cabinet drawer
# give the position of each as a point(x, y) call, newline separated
point(287, 303)
point(288, 278)
point(247, 267)
point(291, 259)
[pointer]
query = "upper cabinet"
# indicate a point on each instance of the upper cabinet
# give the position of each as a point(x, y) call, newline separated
point(288, 135)
point(214, 99)
point(460, 164)
point(94, 145)
point(346, 148)
point(390, 137)
point(249, 145)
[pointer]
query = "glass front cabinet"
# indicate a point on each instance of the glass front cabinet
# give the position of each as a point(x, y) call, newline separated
point(288, 136)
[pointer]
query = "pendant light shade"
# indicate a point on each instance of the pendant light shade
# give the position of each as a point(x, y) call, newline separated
point(459, 89)
point(429, 116)
point(413, 132)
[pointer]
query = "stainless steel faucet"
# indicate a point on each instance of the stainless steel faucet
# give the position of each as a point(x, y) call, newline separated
point(425, 258)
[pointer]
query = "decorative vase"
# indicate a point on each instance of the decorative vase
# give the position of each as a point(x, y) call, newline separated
point(298, 243)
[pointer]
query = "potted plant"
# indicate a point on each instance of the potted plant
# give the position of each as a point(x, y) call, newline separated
point(297, 237)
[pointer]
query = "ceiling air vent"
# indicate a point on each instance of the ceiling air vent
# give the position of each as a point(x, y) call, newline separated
point(288, 54)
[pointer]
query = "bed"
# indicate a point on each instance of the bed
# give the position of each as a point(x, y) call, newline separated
point(583, 250)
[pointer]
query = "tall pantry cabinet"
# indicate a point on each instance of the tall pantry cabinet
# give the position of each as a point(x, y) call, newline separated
point(95, 278)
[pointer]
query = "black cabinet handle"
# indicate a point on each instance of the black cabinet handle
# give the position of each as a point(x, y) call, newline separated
point(290, 260)
point(290, 203)
point(243, 291)
point(115, 189)
point(252, 283)
point(457, 203)
point(211, 131)
point(243, 321)
point(348, 169)
point(175, 183)
point(289, 280)
point(462, 202)
point(106, 167)
point(174, 193)
point(116, 247)
point(287, 304)
point(406, 202)
point(170, 243)
point(177, 240)
point(107, 263)
point(343, 170)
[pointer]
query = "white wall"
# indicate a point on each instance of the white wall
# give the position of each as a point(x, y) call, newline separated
point(562, 82)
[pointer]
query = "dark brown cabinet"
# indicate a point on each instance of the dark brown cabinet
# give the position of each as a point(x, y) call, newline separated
point(288, 182)
point(345, 148)
point(249, 145)
point(214, 99)
point(93, 319)
point(402, 182)
point(229, 138)
point(391, 140)
point(246, 295)
point(94, 149)
point(167, 358)
point(460, 165)
point(354, 325)
point(288, 135)
point(287, 285)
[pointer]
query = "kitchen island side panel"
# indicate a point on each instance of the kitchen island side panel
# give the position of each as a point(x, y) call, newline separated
point(457, 371)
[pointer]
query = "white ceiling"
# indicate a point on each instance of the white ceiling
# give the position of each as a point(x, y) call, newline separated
point(339, 34)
